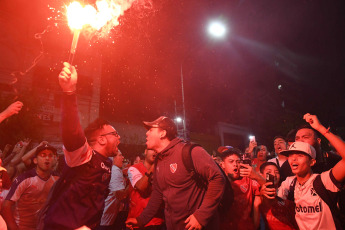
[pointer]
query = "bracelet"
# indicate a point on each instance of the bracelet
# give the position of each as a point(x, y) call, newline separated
point(327, 131)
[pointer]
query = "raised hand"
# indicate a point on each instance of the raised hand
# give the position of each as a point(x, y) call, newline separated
point(68, 78)
point(313, 121)
point(12, 109)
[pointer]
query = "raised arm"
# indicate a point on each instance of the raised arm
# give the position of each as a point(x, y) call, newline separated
point(18, 157)
point(339, 169)
point(72, 134)
point(12, 109)
point(27, 157)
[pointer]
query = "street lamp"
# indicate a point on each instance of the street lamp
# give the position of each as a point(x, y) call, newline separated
point(216, 29)
point(178, 119)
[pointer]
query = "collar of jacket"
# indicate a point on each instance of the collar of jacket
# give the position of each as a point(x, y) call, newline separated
point(171, 145)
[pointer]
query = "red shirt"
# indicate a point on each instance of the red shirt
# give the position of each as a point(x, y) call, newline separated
point(240, 213)
point(138, 203)
point(279, 215)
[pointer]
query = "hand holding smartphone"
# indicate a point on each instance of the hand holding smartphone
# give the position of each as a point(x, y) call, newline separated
point(270, 178)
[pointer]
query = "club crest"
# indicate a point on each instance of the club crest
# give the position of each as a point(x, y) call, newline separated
point(244, 188)
point(173, 168)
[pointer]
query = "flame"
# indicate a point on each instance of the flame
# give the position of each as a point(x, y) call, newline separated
point(80, 16)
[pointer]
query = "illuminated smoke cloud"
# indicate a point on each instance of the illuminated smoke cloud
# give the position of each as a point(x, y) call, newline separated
point(98, 20)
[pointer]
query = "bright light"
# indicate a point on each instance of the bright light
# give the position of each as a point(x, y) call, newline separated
point(79, 15)
point(251, 138)
point(217, 29)
point(178, 119)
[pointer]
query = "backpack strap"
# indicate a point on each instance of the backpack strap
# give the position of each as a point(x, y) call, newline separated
point(330, 200)
point(278, 162)
point(188, 164)
point(291, 194)
point(187, 156)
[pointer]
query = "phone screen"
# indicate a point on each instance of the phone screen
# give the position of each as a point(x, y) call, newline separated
point(270, 178)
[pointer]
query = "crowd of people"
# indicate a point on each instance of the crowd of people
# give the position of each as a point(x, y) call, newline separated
point(174, 184)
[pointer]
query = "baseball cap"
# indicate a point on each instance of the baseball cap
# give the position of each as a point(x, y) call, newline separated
point(300, 147)
point(223, 148)
point(164, 123)
point(44, 147)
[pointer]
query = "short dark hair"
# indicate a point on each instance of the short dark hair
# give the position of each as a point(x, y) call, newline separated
point(278, 136)
point(307, 126)
point(229, 152)
point(264, 165)
point(290, 137)
point(94, 127)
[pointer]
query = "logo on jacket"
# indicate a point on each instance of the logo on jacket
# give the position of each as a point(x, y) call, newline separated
point(244, 188)
point(173, 168)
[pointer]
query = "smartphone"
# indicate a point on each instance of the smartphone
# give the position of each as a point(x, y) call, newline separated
point(252, 138)
point(270, 178)
point(247, 162)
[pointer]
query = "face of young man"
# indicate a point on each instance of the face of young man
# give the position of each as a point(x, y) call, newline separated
point(137, 160)
point(273, 170)
point(307, 136)
point(150, 156)
point(112, 140)
point(300, 164)
point(118, 160)
point(45, 160)
point(231, 166)
point(279, 145)
point(262, 154)
point(154, 138)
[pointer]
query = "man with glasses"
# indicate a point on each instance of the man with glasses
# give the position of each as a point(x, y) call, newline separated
point(30, 190)
point(78, 197)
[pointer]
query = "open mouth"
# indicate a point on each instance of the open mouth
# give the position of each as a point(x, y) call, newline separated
point(294, 166)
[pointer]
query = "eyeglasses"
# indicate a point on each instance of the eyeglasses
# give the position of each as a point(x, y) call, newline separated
point(111, 133)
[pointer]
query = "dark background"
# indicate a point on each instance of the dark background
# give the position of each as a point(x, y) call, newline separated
point(299, 45)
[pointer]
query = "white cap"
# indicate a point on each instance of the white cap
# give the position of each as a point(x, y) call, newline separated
point(300, 147)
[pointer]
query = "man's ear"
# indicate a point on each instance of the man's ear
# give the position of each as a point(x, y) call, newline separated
point(102, 140)
point(222, 165)
point(318, 141)
point(163, 134)
point(312, 162)
point(35, 160)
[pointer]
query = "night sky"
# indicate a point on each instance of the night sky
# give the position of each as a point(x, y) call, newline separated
point(280, 59)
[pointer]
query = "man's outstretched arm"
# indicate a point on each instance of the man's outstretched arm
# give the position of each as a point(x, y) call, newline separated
point(12, 109)
point(76, 149)
point(339, 145)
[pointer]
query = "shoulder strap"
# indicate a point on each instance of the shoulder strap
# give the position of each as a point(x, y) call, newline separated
point(278, 162)
point(325, 195)
point(188, 164)
point(291, 194)
point(187, 156)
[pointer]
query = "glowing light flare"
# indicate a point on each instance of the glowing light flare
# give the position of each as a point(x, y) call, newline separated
point(75, 16)
point(79, 16)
